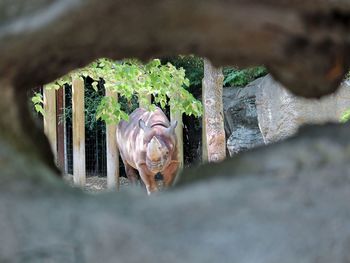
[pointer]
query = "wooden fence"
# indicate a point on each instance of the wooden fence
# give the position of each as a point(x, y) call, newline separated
point(54, 130)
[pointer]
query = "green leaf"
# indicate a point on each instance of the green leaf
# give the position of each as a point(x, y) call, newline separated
point(345, 117)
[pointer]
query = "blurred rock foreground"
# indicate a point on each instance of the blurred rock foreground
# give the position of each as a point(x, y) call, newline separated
point(287, 202)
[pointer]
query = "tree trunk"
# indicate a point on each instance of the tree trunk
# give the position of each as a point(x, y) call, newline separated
point(214, 142)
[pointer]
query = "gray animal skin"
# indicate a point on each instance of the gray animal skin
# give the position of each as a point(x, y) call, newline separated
point(147, 143)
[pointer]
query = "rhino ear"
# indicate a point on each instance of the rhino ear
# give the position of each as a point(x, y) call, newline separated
point(142, 124)
point(173, 125)
point(171, 129)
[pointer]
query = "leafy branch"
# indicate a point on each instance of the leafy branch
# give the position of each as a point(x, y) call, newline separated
point(128, 77)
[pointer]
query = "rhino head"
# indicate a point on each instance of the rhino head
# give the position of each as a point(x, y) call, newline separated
point(160, 145)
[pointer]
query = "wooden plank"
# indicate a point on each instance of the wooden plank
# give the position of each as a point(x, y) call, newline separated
point(175, 115)
point(50, 118)
point(112, 153)
point(60, 124)
point(79, 169)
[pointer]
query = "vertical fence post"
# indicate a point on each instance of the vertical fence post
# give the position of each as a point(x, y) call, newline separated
point(112, 152)
point(50, 118)
point(79, 169)
point(175, 115)
point(60, 124)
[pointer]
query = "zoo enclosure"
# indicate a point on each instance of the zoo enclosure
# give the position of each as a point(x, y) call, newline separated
point(58, 132)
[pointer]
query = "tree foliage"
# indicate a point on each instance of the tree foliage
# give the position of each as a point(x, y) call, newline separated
point(128, 77)
point(193, 66)
point(345, 116)
point(38, 102)
point(233, 76)
point(241, 77)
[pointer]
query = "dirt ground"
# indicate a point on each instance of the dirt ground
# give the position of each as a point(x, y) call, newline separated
point(96, 184)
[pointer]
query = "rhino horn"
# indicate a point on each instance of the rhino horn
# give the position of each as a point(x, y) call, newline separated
point(171, 128)
point(153, 149)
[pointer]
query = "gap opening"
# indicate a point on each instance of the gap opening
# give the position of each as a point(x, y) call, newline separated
point(256, 111)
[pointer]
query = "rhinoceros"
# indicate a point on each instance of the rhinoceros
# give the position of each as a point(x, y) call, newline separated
point(147, 143)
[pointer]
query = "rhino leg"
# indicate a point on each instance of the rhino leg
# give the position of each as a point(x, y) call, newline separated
point(131, 174)
point(170, 172)
point(148, 179)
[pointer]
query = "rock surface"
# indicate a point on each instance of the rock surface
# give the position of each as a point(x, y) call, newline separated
point(287, 202)
point(241, 119)
point(280, 113)
point(71, 32)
